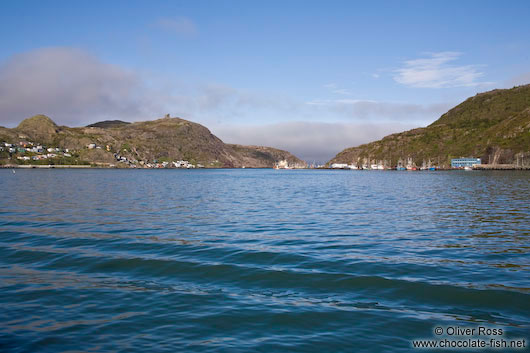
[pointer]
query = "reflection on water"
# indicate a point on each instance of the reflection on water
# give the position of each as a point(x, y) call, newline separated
point(239, 260)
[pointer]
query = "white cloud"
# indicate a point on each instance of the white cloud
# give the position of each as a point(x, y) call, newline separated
point(215, 102)
point(69, 85)
point(180, 26)
point(311, 141)
point(335, 89)
point(436, 71)
point(75, 88)
point(364, 110)
point(342, 91)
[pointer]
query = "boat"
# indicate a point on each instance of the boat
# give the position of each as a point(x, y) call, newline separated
point(282, 165)
point(410, 164)
point(468, 168)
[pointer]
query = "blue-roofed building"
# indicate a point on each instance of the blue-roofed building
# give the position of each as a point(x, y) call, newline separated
point(464, 162)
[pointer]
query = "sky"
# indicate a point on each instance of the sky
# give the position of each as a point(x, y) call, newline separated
point(312, 77)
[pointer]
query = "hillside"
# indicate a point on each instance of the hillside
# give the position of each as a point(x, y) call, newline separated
point(267, 156)
point(494, 126)
point(163, 140)
point(108, 124)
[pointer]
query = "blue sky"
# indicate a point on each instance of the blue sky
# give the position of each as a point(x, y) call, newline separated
point(313, 77)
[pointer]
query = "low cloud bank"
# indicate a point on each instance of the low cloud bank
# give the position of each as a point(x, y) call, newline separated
point(70, 86)
point(310, 141)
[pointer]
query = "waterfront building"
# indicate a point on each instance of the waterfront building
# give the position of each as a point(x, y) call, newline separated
point(464, 162)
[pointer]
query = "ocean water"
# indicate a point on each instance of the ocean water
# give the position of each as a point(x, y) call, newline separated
point(259, 260)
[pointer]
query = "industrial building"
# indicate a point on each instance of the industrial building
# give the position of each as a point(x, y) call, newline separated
point(464, 162)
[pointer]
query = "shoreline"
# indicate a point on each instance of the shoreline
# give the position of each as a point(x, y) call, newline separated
point(480, 167)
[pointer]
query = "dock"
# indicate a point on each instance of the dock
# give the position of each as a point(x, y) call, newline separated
point(500, 167)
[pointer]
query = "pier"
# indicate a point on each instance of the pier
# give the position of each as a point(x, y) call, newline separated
point(500, 167)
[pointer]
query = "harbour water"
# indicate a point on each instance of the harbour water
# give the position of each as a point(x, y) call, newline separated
point(259, 260)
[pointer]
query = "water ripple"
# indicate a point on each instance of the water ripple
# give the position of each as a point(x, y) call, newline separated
point(258, 260)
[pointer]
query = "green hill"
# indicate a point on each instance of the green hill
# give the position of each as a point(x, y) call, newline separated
point(493, 126)
point(163, 140)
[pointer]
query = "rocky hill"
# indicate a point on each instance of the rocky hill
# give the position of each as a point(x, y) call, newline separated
point(248, 155)
point(167, 139)
point(493, 126)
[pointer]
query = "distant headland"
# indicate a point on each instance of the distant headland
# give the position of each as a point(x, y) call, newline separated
point(163, 143)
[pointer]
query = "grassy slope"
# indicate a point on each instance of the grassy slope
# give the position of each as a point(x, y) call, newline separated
point(167, 139)
point(493, 126)
point(264, 157)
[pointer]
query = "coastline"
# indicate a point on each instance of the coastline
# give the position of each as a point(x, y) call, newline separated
point(479, 167)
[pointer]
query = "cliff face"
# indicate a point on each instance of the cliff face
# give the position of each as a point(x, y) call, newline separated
point(494, 126)
point(167, 139)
